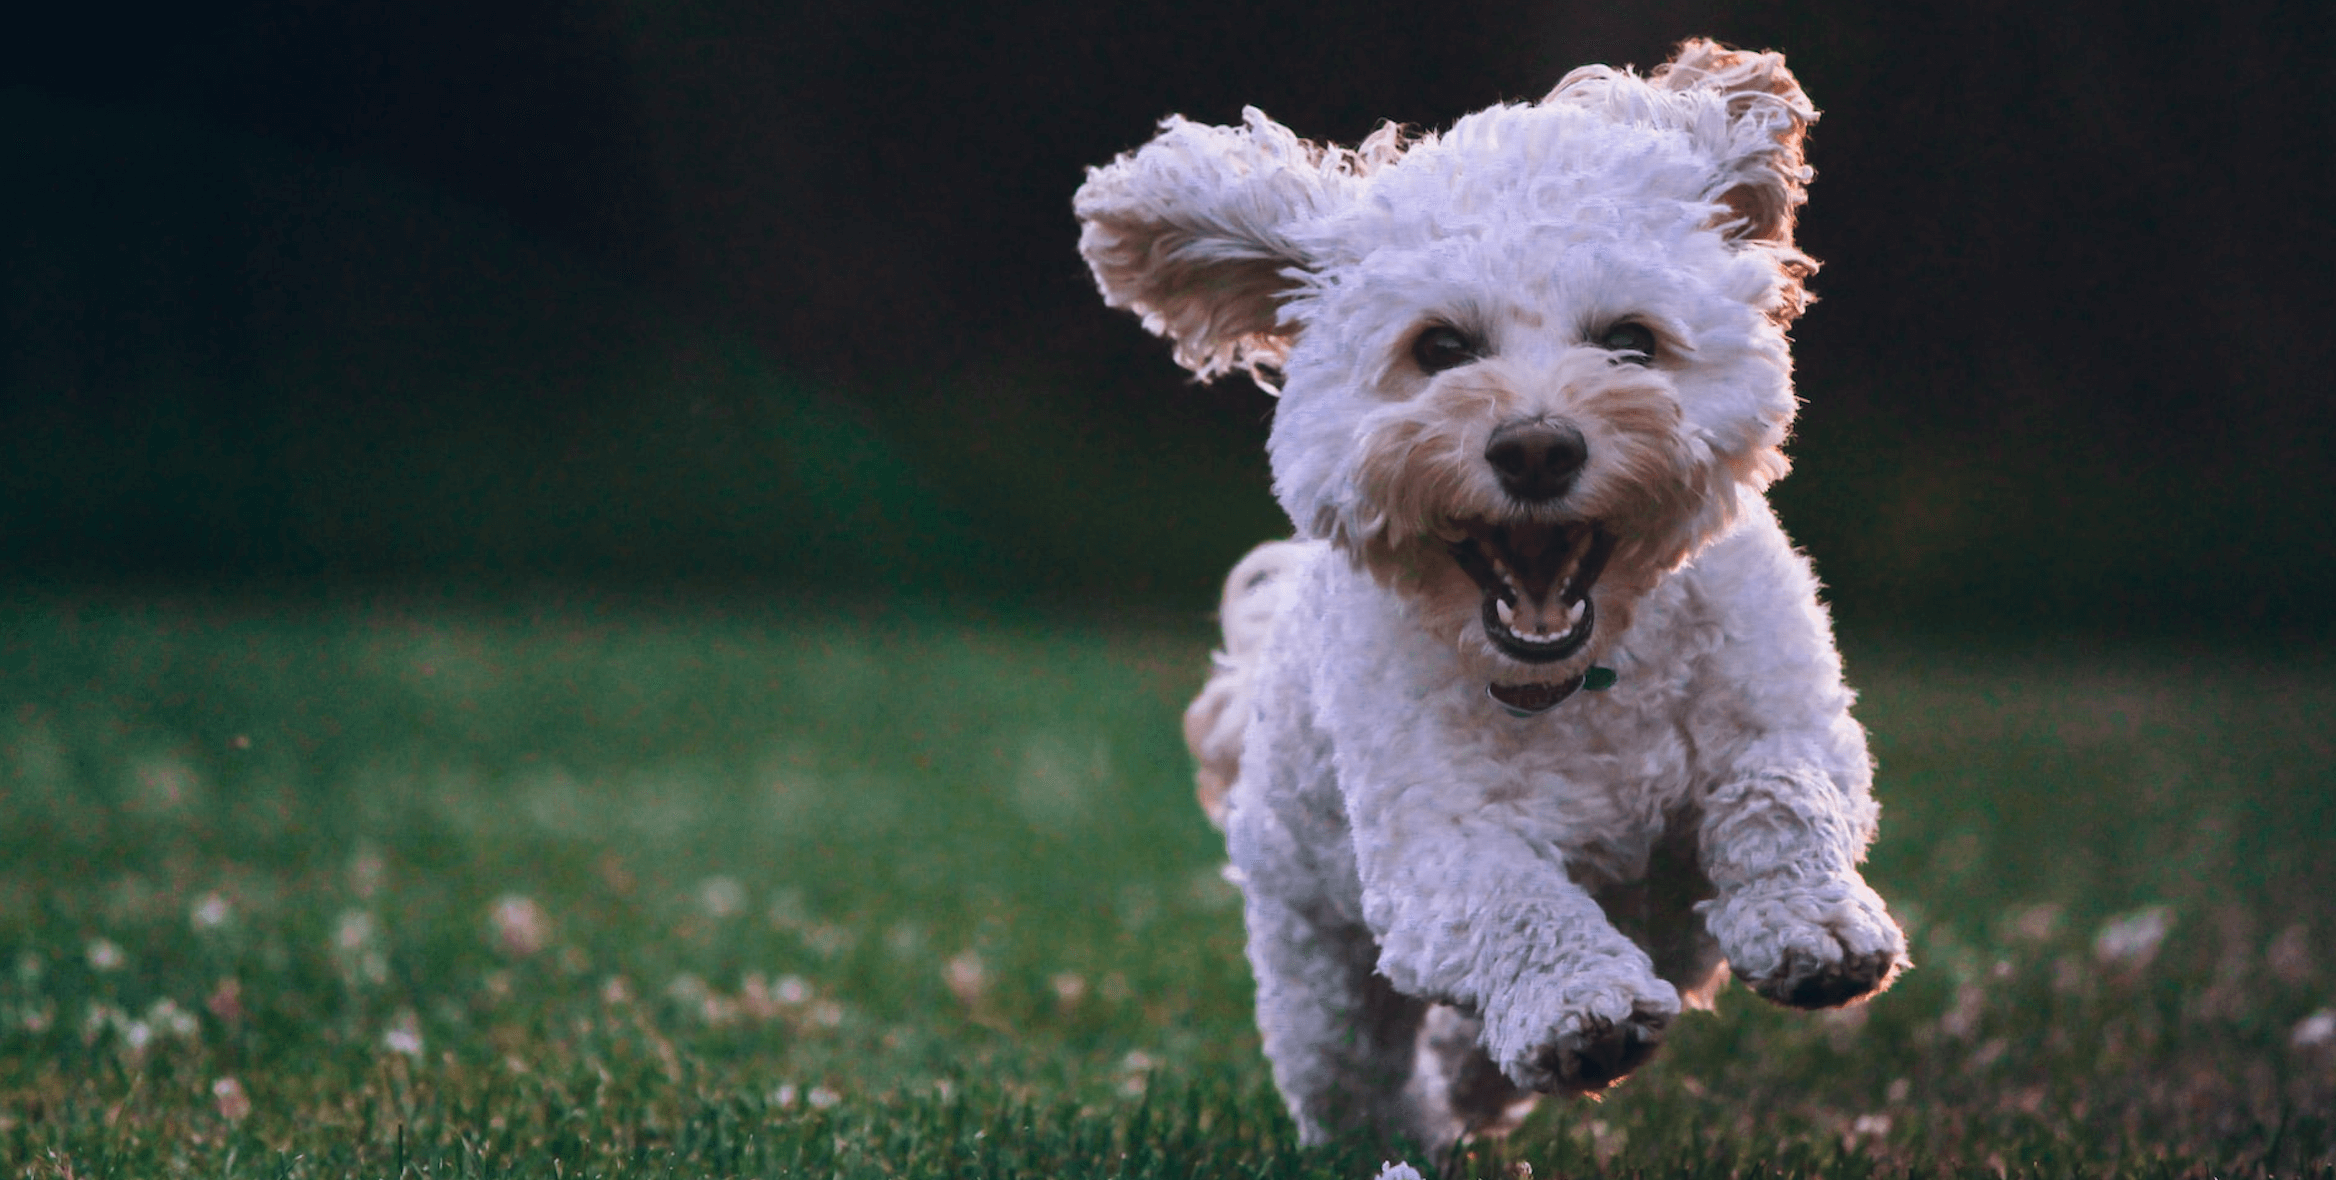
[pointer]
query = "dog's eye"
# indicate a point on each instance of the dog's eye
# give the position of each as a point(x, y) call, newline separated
point(1444, 347)
point(1629, 337)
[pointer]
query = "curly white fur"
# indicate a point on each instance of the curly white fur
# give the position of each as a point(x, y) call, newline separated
point(1452, 903)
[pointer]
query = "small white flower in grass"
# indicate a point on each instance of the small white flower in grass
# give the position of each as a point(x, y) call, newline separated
point(784, 1096)
point(2315, 1031)
point(521, 926)
point(1397, 1171)
point(1069, 988)
point(353, 930)
point(827, 1014)
point(717, 1009)
point(210, 911)
point(105, 955)
point(722, 897)
point(137, 1034)
point(1137, 1065)
point(965, 976)
point(616, 989)
point(356, 947)
point(821, 1098)
point(1865, 1127)
point(791, 990)
point(404, 1034)
point(2131, 940)
point(234, 1105)
point(167, 1016)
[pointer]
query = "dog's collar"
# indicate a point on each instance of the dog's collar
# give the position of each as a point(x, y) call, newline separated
point(1531, 700)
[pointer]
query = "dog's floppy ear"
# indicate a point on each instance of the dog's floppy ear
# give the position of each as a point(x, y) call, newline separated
point(1194, 233)
point(1765, 175)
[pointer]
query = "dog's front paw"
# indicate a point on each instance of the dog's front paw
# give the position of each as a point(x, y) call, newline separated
point(1591, 1041)
point(1596, 1052)
point(1810, 945)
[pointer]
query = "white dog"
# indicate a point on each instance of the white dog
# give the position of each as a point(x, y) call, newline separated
point(1538, 726)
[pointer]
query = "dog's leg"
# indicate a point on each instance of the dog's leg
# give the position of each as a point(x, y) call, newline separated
point(1457, 1086)
point(1472, 912)
point(1341, 1039)
point(1793, 916)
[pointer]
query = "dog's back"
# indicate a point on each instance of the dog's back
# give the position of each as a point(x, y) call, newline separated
point(1255, 593)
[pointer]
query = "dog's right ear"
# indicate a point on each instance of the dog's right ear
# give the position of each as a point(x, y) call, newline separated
point(1195, 232)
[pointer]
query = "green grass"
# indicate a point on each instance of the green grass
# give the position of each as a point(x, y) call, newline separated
point(789, 892)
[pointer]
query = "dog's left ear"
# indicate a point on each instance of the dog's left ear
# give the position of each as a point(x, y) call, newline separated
point(1195, 233)
point(1764, 176)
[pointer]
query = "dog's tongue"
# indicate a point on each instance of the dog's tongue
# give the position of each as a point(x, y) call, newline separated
point(1540, 558)
point(1537, 556)
point(1547, 615)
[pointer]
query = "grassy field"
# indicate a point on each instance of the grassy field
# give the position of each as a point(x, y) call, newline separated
point(368, 889)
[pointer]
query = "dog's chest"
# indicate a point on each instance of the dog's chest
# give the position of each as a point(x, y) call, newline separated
point(1601, 776)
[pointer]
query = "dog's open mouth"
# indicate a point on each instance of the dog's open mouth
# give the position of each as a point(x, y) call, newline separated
point(1536, 580)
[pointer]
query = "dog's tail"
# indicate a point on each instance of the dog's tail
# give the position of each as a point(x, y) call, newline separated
point(1217, 720)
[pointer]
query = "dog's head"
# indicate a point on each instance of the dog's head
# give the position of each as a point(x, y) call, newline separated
point(1529, 366)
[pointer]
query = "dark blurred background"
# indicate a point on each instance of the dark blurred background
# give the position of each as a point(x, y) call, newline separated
point(782, 299)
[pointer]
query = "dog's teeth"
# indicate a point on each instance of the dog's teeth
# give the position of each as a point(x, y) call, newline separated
point(1575, 615)
point(1507, 613)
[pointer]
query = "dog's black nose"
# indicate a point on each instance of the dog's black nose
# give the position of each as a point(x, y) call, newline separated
point(1537, 459)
